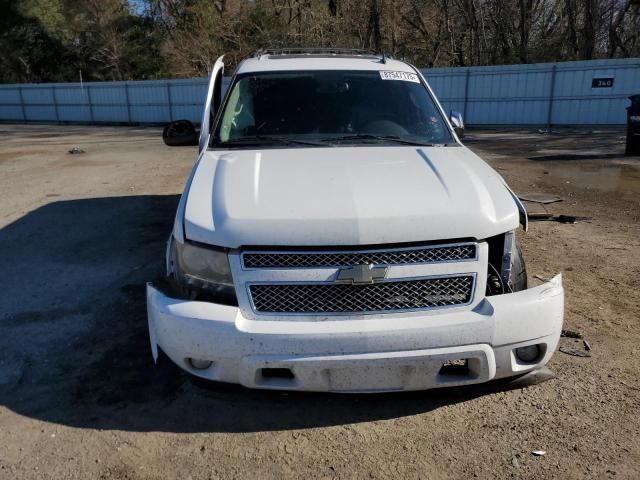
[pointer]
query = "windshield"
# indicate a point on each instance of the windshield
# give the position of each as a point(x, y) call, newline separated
point(324, 108)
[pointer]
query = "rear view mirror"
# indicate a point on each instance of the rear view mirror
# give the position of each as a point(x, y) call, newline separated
point(180, 133)
point(457, 122)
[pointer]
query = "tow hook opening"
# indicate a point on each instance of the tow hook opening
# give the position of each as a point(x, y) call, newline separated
point(455, 368)
point(459, 367)
point(277, 377)
point(277, 373)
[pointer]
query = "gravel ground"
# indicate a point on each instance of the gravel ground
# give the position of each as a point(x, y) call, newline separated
point(81, 398)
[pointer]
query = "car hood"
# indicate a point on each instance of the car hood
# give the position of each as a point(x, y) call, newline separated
point(345, 196)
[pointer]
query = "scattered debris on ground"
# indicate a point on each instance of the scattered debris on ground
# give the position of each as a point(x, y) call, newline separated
point(574, 352)
point(548, 217)
point(541, 278)
point(571, 334)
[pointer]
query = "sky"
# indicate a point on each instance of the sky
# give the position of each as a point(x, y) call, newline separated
point(137, 6)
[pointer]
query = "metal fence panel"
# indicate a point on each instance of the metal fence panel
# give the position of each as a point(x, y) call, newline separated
point(11, 107)
point(11, 113)
point(73, 103)
point(10, 95)
point(188, 97)
point(539, 94)
point(536, 94)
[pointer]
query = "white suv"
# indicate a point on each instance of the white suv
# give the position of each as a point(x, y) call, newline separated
point(335, 235)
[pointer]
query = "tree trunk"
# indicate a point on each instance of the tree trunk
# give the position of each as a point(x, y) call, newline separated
point(589, 36)
point(572, 36)
point(374, 34)
point(525, 15)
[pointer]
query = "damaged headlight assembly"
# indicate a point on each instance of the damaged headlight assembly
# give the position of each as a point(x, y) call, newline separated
point(200, 272)
point(507, 271)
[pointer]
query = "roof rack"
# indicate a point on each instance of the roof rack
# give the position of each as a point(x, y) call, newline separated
point(322, 52)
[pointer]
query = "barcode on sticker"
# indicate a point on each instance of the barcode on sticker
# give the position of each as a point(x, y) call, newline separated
point(406, 76)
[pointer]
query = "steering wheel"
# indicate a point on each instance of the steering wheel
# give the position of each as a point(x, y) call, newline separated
point(384, 127)
point(430, 129)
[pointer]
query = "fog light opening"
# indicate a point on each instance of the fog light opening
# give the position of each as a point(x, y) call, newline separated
point(198, 363)
point(528, 353)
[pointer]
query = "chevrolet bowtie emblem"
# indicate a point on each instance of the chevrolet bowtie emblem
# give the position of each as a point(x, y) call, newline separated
point(362, 274)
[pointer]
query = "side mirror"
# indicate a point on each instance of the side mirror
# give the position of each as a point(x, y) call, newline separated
point(180, 133)
point(457, 122)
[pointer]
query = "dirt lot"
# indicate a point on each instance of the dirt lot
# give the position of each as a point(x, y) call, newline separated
point(81, 398)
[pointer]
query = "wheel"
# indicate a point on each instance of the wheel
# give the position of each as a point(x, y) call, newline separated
point(180, 133)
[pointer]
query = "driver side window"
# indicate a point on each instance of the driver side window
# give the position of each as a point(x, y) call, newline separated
point(238, 115)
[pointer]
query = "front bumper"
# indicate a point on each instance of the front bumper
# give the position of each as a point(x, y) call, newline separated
point(360, 355)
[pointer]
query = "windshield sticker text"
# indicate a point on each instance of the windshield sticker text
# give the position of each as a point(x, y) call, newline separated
point(407, 77)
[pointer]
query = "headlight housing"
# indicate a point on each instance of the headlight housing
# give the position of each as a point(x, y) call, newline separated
point(501, 249)
point(507, 272)
point(201, 272)
point(507, 256)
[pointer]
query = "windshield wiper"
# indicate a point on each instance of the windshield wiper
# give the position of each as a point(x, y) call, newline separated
point(270, 139)
point(370, 136)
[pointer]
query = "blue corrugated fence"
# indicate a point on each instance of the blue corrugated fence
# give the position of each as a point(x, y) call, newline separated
point(540, 94)
point(138, 102)
point(591, 92)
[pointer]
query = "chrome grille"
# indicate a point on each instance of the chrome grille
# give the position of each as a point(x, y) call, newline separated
point(336, 298)
point(416, 255)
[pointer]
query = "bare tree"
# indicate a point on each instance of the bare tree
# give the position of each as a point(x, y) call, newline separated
point(184, 37)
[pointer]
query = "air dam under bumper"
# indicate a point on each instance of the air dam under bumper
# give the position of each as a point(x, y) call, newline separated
point(364, 354)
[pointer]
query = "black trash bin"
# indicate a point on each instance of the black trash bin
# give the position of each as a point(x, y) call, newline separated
point(633, 126)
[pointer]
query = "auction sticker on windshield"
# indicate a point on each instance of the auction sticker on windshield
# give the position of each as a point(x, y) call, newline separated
point(406, 76)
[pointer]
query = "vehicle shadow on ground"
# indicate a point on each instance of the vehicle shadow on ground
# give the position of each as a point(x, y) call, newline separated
point(73, 334)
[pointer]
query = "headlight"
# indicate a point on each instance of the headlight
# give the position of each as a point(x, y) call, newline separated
point(203, 272)
point(507, 256)
point(501, 256)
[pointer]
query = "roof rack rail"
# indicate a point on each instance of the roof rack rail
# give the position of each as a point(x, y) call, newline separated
point(320, 51)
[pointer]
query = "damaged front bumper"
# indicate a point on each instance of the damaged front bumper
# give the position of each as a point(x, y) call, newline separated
point(360, 355)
